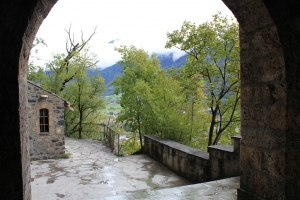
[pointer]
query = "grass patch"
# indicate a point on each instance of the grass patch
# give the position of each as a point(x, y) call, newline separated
point(63, 156)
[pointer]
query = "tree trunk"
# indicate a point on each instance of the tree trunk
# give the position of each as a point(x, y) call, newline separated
point(140, 133)
point(192, 122)
point(219, 134)
point(211, 128)
point(80, 126)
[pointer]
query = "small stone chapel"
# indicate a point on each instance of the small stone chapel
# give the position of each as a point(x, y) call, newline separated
point(45, 122)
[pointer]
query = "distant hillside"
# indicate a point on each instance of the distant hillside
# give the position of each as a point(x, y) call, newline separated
point(110, 73)
point(167, 61)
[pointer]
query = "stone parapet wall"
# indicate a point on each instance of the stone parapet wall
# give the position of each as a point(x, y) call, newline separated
point(52, 143)
point(193, 164)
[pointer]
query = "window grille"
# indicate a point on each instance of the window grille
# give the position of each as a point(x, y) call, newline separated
point(44, 120)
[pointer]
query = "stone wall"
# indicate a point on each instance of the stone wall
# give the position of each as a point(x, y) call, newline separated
point(20, 21)
point(270, 98)
point(196, 166)
point(52, 143)
point(270, 91)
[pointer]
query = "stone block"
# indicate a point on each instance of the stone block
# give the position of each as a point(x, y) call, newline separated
point(292, 142)
point(274, 164)
point(293, 118)
point(270, 139)
point(236, 140)
point(260, 185)
point(280, 96)
point(266, 42)
point(267, 97)
point(292, 189)
point(183, 163)
point(170, 157)
point(278, 118)
point(251, 158)
point(292, 166)
point(246, 178)
point(247, 94)
point(256, 94)
point(249, 136)
point(277, 189)
point(220, 151)
point(252, 14)
point(254, 116)
point(54, 140)
point(247, 76)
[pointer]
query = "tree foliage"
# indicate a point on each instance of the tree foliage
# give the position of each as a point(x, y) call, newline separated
point(66, 75)
point(152, 99)
point(135, 86)
point(194, 105)
point(213, 54)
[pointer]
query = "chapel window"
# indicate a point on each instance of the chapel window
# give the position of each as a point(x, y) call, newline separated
point(44, 120)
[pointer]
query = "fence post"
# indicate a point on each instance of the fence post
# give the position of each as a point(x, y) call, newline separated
point(110, 136)
point(118, 144)
point(103, 132)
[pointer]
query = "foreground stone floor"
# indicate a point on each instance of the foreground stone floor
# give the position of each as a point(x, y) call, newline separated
point(93, 172)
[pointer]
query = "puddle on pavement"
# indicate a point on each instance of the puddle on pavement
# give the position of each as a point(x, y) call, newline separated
point(160, 177)
point(95, 176)
point(86, 180)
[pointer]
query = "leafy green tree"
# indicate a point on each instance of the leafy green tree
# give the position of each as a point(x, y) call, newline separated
point(84, 92)
point(152, 100)
point(139, 71)
point(193, 116)
point(59, 71)
point(213, 52)
point(66, 75)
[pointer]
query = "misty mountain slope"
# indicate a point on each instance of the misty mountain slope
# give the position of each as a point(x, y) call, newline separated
point(110, 73)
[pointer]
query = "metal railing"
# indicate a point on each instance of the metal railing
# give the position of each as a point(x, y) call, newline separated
point(112, 138)
point(92, 130)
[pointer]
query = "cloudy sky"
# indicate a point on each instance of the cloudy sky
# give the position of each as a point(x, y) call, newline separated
point(143, 23)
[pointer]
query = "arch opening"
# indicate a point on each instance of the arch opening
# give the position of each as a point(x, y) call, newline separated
point(269, 43)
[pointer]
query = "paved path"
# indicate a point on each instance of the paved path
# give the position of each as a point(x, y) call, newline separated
point(93, 172)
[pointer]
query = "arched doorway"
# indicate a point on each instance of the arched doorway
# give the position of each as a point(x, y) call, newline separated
point(269, 39)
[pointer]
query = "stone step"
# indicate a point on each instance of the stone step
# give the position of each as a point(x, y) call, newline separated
point(225, 189)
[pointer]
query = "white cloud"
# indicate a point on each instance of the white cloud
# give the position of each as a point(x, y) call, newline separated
point(143, 23)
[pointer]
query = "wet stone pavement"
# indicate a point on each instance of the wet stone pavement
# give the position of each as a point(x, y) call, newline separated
point(93, 172)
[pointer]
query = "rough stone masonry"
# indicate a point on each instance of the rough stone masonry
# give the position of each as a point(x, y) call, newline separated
point(50, 143)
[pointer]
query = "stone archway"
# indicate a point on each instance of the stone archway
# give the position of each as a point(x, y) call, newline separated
point(270, 58)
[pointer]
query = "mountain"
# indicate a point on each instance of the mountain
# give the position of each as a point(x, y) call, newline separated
point(167, 61)
point(109, 74)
